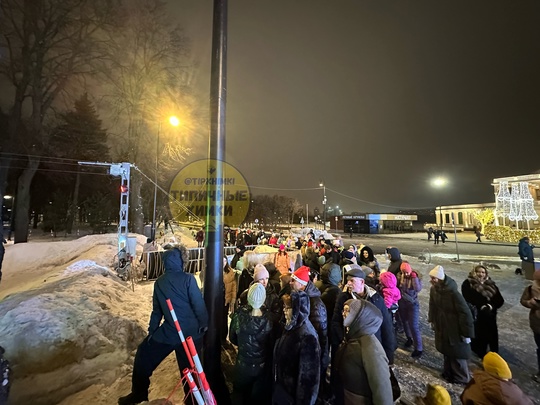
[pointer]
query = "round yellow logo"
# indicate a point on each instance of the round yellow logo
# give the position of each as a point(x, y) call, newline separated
point(190, 201)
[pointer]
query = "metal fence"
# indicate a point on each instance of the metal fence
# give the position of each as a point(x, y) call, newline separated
point(196, 263)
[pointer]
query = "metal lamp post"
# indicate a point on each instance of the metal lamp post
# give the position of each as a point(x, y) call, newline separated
point(174, 121)
point(441, 182)
point(321, 184)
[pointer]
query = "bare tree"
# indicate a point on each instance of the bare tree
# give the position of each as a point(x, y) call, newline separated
point(47, 43)
point(145, 70)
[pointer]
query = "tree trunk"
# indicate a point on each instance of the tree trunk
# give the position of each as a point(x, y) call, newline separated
point(23, 200)
point(74, 203)
point(137, 220)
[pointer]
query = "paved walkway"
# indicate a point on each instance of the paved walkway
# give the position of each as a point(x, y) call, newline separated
point(462, 237)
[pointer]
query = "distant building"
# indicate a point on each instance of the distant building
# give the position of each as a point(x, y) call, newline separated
point(373, 223)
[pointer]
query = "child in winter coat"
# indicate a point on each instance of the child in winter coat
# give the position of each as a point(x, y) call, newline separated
point(410, 285)
point(389, 291)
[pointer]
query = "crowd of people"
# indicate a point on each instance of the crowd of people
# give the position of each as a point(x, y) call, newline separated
point(323, 328)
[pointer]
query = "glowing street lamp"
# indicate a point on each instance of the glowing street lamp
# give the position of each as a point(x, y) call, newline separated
point(439, 182)
point(174, 121)
point(321, 184)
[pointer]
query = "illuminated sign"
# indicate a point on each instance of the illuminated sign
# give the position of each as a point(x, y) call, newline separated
point(191, 201)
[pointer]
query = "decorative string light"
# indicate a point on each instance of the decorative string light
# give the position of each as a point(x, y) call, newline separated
point(515, 214)
point(503, 200)
point(526, 202)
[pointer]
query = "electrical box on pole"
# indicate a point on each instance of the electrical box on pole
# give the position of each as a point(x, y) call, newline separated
point(123, 170)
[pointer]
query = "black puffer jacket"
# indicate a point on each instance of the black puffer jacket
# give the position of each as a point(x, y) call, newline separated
point(252, 335)
point(296, 358)
point(186, 298)
point(328, 286)
point(319, 319)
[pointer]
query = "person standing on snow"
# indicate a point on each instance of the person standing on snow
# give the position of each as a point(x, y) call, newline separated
point(452, 322)
point(181, 288)
point(484, 298)
point(2, 252)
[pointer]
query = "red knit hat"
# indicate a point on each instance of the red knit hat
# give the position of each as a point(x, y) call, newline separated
point(301, 275)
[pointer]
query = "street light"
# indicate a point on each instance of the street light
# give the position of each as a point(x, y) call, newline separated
point(174, 121)
point(321, 184)
point(439, 182)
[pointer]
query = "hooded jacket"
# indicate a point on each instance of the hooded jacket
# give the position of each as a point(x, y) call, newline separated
point(385, 334)
point(395, 260)
point(328, 286)
point(451, 318)
point(296, 358)
point(486, 389)
point(319, 319)
point(186, 298)
point(361, 363)
point(525, 250)
point(389, 290)
point(370, 261)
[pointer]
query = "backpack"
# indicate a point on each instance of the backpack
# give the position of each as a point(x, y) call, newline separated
point(5, 382)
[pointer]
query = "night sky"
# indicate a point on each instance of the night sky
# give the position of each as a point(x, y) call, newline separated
point(376, 97)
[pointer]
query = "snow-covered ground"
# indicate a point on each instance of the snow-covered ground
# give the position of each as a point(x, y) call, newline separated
point(70, 327)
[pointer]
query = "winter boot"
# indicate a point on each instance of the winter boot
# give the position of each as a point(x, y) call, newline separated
point(518, 271)
point(416, 354)
point(408, 343)
point(132, 399)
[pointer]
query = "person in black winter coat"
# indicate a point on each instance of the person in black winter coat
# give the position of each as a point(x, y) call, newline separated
point(452, 324)
point(356, 289)
point(181, 288)
point(328, 285)
point(367, 258)
point(484, 297)
point(2, 252)
point(296, 366)
point(394, 255)
point(251, 331)
point(317, 314)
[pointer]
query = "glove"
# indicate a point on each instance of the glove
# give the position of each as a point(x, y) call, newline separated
point(413, 274)
point(466, 340)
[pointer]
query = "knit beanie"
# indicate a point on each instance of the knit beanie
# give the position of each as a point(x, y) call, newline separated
point(437, 395)
point(301, 275)
point(405, 267)
point(256, 295)
point(260, 272)
point(437, 272)
point(496, 366)
point(321, 260)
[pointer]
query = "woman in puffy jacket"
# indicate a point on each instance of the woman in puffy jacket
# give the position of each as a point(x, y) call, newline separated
point(251, 331)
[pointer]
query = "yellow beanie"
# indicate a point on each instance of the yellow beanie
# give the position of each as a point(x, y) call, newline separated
point(495, 365)
point(437, 395)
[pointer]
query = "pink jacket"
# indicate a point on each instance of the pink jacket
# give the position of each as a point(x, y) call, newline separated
point(389, 290)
